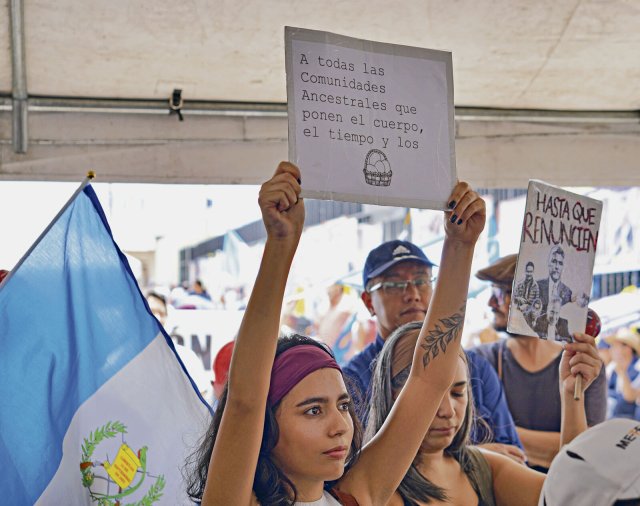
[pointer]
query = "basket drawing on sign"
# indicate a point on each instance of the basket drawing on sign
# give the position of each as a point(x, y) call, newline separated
point(377, 170)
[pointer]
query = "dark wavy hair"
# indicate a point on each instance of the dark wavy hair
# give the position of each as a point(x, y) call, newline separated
point(414, 487)
point(270, 485)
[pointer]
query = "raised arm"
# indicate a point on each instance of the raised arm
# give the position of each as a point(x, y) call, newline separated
point(387, 457)
point(235, 453)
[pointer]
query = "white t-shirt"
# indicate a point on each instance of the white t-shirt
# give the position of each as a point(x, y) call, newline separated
point(326, 500)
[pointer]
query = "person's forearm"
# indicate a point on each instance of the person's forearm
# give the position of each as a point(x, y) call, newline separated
point(257, 336)
point(440, 336)
point(540, 446)
point(629, 393)
point(574, 418)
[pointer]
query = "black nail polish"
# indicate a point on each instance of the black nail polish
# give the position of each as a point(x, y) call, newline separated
point(454, 218)
point(299, 181)
point(459, 222)
point(452, 204)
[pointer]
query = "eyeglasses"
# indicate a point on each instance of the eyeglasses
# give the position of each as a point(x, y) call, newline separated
point(399, 287)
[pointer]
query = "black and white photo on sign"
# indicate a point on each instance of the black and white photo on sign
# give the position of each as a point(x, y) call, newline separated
point(370, 122)
point(553, 277)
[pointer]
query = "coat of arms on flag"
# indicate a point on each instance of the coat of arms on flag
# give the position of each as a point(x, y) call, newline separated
point(97, 407)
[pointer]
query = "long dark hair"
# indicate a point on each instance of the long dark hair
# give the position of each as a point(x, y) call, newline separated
point(270, 485)
point(415, 487)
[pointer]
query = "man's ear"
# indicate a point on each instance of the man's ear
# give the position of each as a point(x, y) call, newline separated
point(366, 298)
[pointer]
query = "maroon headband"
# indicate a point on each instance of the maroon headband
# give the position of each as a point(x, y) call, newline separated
point(294, 364)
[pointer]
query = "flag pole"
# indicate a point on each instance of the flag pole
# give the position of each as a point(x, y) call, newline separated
point(90, 175)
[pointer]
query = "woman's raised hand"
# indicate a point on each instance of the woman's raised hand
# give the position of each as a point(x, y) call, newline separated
point(281, 205)
point(466, 214)
point(579, 357)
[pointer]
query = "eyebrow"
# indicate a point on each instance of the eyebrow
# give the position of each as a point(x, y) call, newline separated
point(320, 400)
point(459, 384)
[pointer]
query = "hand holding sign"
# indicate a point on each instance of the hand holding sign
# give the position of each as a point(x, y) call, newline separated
point(466, 216)
point(593, 328)
point(580, 363)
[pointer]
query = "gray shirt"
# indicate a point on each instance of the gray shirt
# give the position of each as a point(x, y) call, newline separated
point(534, 397)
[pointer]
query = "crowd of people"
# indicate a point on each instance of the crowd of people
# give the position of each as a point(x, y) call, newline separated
point(413, 418)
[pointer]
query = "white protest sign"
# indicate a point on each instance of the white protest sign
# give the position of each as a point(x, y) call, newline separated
point(370, 122)
point(553, 275)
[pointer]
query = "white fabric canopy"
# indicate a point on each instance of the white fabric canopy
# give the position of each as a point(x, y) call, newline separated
point(507, 56)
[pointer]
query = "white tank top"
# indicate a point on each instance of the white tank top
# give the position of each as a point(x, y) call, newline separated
point(326, 500)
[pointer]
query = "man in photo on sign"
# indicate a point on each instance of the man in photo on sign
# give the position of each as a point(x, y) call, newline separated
point(553, 286)
point(527, 291)
point(550, 326)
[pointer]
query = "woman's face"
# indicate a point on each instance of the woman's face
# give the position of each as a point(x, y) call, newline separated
point(315, 429)
point(450, 414)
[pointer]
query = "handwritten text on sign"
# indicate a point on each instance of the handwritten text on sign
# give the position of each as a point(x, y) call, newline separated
point(557, 220)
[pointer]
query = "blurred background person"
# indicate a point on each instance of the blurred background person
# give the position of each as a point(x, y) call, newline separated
point(193, 363)
point(624, 374)
point(341, 325)
point(294, 319)
point(200, 290)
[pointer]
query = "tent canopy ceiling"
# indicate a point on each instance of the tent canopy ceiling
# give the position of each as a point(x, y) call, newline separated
point(549, 54)
point(569, 55)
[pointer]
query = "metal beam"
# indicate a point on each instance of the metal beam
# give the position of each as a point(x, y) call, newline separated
point(271, 109)
point(227, 143)
point(19, 88)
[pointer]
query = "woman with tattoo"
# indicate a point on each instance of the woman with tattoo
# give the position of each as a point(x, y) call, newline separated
point(285, 432)
point(446, 469)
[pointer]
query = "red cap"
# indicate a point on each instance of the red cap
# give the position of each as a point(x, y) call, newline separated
point(221, 363)
point(594, 325)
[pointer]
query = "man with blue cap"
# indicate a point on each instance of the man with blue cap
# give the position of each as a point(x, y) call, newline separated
point(397, 288)
point(398, 285)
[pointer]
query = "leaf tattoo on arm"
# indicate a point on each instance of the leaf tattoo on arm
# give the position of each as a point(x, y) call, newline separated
point(439, 338)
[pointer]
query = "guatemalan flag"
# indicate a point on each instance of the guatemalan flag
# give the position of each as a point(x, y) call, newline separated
point(95, 406)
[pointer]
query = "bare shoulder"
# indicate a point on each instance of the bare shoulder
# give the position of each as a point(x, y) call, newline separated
point(495, 460)
point(506, 468)
point(499, 462)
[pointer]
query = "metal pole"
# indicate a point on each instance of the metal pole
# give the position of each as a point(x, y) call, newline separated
point(20, 97)
point(42, 104)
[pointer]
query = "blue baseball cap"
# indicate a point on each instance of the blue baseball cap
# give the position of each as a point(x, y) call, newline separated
point(389, 254)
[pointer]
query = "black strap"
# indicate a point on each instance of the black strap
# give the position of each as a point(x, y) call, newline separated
point(500, 352)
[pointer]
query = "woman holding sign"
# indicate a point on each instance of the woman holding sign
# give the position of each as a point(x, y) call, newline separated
point(446, 468)
point(285, 432)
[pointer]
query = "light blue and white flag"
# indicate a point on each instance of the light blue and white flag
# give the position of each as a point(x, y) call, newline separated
point(95, 406)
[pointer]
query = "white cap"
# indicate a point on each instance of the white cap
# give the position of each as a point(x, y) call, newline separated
point(599, 467)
